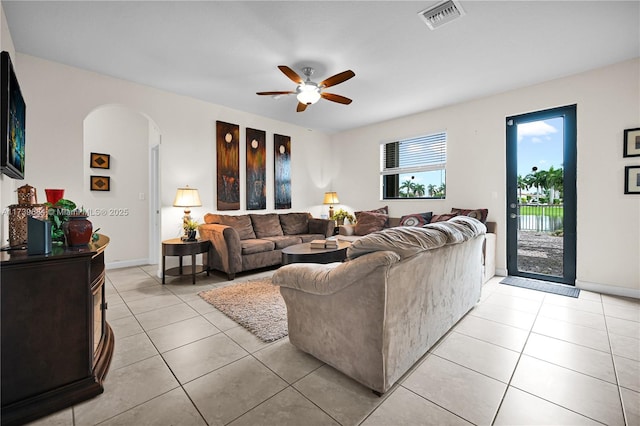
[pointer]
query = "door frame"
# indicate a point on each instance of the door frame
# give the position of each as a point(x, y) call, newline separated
point(568, 112)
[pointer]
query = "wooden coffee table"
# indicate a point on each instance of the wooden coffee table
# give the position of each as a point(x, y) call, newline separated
point(303, 253)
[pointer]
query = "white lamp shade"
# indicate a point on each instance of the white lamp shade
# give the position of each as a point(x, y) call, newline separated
point(187, 197)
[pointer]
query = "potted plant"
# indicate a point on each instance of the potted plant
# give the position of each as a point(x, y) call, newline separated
point(341, 215)
point(58, 214)
point(190, 228)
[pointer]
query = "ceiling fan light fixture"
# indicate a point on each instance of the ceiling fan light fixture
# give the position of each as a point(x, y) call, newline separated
point(308, 93)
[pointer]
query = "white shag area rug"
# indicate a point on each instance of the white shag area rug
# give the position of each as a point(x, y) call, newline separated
point(256, 305)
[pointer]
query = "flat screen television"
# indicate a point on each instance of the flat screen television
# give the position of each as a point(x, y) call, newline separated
point(12, 136)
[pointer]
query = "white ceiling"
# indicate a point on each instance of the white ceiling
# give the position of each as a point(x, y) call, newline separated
point(223, 51)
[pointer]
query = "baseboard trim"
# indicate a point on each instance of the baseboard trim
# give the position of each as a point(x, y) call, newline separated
point(608, 289)
point(126, 263)
point(501, 272)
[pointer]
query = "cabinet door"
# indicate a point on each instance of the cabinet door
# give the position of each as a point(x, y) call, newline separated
point(45, 327)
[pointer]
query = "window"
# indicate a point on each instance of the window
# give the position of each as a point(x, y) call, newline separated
point(414, 168)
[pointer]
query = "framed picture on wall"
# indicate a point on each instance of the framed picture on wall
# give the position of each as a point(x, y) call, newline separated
point(228, 165)
point(282, 171)
point(632, 143)
point(632, 180)
point(100, 161)
point(100, 183)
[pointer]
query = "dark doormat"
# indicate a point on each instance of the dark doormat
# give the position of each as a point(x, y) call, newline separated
point(548, 287)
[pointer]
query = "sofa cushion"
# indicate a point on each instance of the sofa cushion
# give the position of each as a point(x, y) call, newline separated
point(381, 210)
point(253, 246)
point(480, 214)
point(241, 223)
point(442, 217)
point(404, 241)
point(266, 225)
point(284, 241)
point(416, 219)
point(369, 222)
point(295, 223)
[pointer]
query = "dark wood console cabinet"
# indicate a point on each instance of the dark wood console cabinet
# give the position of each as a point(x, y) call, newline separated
point(56, 343)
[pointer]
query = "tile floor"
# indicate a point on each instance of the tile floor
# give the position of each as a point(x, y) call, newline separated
point(519, 357)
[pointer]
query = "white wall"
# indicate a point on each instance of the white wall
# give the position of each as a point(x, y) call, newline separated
point(122, 212)
point(608, 222)
point(59, 98)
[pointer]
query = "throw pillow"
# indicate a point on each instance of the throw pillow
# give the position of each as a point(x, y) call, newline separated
point(369, 222)
point(241, 223)
point(295, 223)
point(266, 225)
point(480, 214)
point(416, 219)
point(381, 210)
point(442, 217)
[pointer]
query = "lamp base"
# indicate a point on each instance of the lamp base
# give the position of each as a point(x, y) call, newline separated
point(330, 212)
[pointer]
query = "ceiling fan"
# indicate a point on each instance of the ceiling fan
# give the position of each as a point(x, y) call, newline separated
point(309, 92)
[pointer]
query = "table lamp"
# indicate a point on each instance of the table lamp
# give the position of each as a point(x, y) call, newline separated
point(331, 198)
point(187, 197)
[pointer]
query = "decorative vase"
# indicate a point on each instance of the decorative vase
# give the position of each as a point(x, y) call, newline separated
point(54, 195)
point(77, 231)
point(191, 235)
point(340, 221)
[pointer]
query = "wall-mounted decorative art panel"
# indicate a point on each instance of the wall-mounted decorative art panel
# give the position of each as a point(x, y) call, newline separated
point(100, 183)
point(256, 169)
point(282, 168)
point(228, 165)
point(100, 161)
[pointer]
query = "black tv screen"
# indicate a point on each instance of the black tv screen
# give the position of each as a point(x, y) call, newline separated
point(13, 122)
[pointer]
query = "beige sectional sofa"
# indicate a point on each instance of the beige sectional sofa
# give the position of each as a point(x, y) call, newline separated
point(401, 289)
point(250, 241)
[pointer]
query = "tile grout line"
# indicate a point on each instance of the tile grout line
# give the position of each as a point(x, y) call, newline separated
point(615, 369)
point(180, 385)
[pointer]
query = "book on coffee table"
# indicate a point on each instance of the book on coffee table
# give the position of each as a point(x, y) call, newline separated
point(324, 244)
point(318, 244)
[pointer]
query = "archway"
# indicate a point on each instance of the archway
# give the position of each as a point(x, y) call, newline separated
point(127, 210)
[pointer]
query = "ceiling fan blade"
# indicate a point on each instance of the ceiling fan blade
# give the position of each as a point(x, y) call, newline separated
point(301, 107)
point(275, 93)
point(337, 79)
point(291, 74)
point(335, 98)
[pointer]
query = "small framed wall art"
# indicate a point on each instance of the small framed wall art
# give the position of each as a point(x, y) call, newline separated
point(632, 143)
point(100, 161)
point(100, 183)
point(632, 180)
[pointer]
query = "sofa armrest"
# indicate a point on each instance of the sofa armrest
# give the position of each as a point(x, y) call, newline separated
point(347, 230)
point(323, 279)
point(225, 253)
point(321, 226)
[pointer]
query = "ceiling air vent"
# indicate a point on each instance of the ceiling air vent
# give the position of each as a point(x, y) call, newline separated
point(442, 13)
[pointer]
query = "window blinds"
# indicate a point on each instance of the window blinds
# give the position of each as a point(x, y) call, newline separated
point(421, 154)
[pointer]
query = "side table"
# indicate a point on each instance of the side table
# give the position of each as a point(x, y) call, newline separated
point(177, 247)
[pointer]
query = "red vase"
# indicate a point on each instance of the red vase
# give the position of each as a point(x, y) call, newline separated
point(78, 231)
point(54, 195)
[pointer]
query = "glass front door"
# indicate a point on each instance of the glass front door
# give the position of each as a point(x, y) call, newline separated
point(541, 171)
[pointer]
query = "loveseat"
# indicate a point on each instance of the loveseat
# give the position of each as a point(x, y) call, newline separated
point(400, 290)
point(250, 241)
